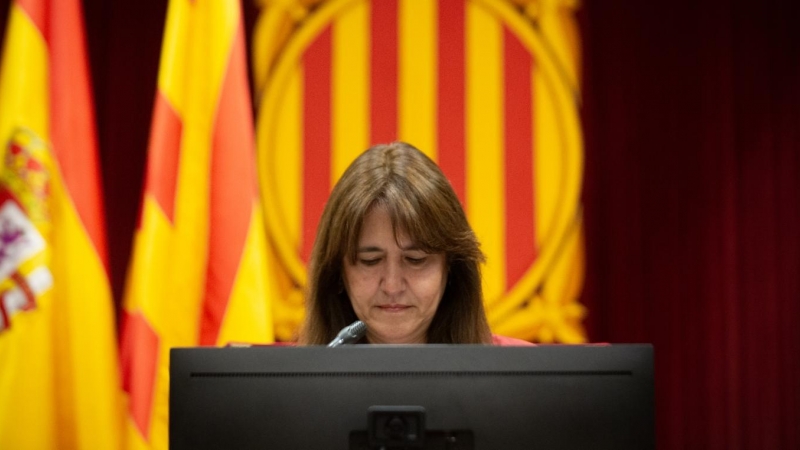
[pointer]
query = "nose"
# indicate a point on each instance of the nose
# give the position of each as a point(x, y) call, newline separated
point(393, 281)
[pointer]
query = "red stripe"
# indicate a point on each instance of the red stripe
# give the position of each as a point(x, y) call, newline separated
point(518, 133)
point(232, 190)
point(72, 123)
point(164, 155)
point(383, 72)
point(452, 85)
point(317, 134)
point(139, 357)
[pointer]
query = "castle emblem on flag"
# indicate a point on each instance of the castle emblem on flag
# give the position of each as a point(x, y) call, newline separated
point(24, 224)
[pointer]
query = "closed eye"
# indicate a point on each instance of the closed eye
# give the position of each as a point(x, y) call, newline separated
point(416, 261)
point(369, 262)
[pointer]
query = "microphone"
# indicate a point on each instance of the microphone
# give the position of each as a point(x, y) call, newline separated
point(349, 334)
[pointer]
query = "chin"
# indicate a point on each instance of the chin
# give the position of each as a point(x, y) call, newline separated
point(395, 338)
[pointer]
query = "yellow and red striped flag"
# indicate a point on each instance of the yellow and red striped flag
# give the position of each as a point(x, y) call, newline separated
point(59, 374)
point(489, 89)
point(198, 270)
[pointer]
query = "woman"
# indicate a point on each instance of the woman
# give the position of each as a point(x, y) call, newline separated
point(394, 249)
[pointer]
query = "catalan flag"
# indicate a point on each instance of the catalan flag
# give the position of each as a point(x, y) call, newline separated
point(59, 374)
point(198, 270)
point(487, 88)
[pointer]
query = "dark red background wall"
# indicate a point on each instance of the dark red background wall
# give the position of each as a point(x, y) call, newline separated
point(692, 197)
point(691, 114)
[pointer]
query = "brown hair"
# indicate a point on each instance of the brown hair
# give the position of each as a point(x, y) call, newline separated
point(420, 202)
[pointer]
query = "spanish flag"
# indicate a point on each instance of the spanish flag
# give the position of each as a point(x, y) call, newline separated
point(198, 270)
point(59, 374)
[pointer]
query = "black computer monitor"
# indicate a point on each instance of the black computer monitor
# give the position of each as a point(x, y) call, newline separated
point(427, 397)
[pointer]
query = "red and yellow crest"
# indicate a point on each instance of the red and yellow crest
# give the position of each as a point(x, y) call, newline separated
point(487, 88)
point(24, 224)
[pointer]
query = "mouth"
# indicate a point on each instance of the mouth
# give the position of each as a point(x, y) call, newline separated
point(393, 308)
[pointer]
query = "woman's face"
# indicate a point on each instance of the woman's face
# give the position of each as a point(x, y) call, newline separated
point(394, 287)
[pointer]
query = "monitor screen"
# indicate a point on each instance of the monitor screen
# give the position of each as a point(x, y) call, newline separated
point(426, 397)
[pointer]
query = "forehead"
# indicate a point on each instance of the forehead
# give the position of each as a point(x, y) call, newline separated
point(377, 227)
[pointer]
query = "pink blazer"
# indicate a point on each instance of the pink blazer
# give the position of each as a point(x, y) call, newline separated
point(505, 341)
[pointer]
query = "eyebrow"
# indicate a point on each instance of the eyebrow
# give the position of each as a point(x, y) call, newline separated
point(370, 249)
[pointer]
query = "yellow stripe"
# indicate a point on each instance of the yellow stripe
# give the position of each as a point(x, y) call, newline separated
point(247, 316)
point(163, 272)
point(173, 62)
point(159, 421)
point(23, 78)
point(485, 190)
point(88, 391)
point(159, 271)
point(197, 42)
point(350, 74)
point(288, 155)
point(210, 36)
point(417, 27)
point(149, 270)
